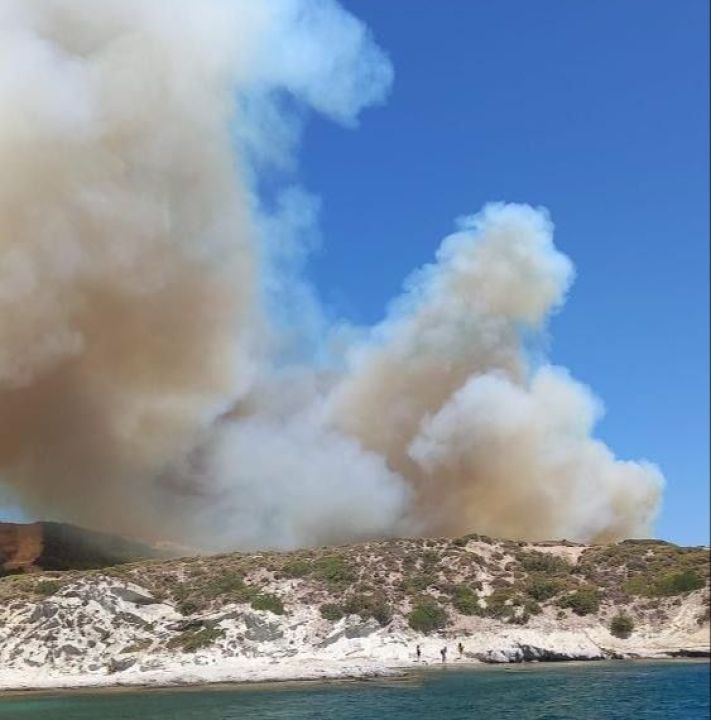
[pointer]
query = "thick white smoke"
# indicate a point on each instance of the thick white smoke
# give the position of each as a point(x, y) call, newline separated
point(161, 361)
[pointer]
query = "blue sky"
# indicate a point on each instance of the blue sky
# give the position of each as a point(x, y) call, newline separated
point(599, 111)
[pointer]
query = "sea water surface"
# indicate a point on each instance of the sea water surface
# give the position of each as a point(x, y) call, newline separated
point(599, 691)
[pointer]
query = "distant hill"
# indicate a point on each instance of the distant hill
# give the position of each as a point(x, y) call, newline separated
point(60, 546)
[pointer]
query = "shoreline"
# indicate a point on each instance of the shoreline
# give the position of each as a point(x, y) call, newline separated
point(389, 674)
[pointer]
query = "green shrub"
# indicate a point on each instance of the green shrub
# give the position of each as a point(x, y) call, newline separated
point(640, 585)
point(678, 583)
point(535, 561)
point(186, 607)
point(355, 605)
point(418, 583)
point(427, 616)
point(369, 606)
point(266, 601)
point(621, 626)
point(430, 557)
point(47, 587)
point(541, 588)
point(193, 640)
point(382, 613)
point(296, 568)
point(409, 562)
point(667, 585)
point(497, 605)
point(334, 570)
point(331, 611)
point(532, 607)
point(582, 602)
point(229, 583)
point(465, 601)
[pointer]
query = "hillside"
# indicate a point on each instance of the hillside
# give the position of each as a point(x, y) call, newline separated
point(352, 610)
point(60, 546)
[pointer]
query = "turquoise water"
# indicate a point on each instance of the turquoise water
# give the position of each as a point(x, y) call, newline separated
point(600, 691)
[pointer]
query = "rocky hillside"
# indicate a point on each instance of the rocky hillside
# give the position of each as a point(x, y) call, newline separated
point(352, 610)
point(59, 546)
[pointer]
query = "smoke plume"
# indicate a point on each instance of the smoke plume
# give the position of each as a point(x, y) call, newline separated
point(164, 369)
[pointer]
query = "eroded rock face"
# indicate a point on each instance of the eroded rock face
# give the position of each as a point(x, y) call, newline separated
point(59, 546)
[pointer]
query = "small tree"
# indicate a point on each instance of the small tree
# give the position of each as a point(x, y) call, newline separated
point(427, 616)
point(541, 588)
point(621, 625)
point(465, 601)
point(583, 601)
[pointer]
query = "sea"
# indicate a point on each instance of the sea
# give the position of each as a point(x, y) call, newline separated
point(620, 690)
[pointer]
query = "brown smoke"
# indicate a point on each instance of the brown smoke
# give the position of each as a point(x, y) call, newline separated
point(128, 285)
point(144, 291)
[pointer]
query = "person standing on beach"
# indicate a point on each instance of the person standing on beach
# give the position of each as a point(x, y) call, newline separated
point(443, 653)
point(418, 652)
point(460, 647)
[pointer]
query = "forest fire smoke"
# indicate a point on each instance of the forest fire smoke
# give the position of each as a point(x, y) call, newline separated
point(144, 386)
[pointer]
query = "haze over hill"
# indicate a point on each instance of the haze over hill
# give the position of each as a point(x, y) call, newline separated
point(164, 368)
point(58, 546)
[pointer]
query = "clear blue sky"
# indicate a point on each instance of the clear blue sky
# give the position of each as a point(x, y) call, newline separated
point(597, 110)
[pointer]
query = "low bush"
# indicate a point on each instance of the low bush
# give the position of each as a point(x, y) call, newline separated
point(621, 625)
point(465, 601)
point(47, 587)
point(418, 583)
point(334, 570)
point(369, 606)
point(666, 585)
point(229, 583)
point(678, 583)
point(269, 602)
point(331, 611)
point(497, 604)
point(296, 568)
point(382, 613)
point(584, 601)
point(535, 561)
point(427, 616)
point(193, 640)
point(186, 607)
point(541, 588)
point(532, 607)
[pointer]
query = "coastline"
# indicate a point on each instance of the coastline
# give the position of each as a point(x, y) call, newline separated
point(282, 675)
point(404, 673)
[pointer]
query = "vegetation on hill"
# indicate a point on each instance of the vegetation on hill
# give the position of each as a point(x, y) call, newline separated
point(427, 582)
